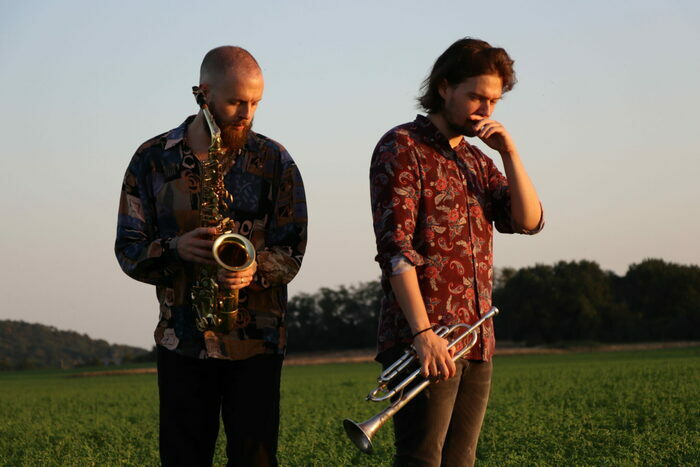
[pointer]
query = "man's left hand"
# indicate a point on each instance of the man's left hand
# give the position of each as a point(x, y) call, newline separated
point(495, 136)
point(238, 279)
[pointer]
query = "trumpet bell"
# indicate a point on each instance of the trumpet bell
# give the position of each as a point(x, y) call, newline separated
point(358, 436)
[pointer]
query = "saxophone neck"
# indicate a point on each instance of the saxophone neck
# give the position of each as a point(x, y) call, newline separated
point(216, 146)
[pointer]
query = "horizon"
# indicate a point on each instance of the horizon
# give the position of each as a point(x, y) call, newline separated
point(357, 284)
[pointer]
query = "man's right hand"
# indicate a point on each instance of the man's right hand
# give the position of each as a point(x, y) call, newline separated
point(195, 245)
point(435, 359)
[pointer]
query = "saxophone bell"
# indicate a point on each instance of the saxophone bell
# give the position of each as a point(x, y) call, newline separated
point(233, 252)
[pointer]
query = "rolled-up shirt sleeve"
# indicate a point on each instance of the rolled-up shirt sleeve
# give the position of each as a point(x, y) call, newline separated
point(395, 188)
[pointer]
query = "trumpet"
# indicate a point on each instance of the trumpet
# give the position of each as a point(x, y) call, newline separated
point(361, 433)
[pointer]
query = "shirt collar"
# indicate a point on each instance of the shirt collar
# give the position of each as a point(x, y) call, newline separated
point(177, 135)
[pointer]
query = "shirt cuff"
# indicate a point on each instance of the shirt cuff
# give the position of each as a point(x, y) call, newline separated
point(540, 225)
point(170, 248)
point(400, 264)
point(385, 259)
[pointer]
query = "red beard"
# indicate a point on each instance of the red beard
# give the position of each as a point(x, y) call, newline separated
point(233, 137)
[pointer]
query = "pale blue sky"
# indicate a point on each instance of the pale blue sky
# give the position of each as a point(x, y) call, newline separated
point(604, 114)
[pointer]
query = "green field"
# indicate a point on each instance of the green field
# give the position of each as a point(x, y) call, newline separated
point(617, 408)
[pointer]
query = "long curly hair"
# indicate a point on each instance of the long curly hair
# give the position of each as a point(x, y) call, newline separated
point(464, 59)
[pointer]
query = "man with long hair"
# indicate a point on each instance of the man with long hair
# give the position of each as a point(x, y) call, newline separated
point(435, 199)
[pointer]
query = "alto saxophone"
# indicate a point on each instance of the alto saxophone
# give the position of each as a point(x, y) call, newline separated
point(216, 306)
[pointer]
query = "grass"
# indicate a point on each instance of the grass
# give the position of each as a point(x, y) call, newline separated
point(617, 408)
point(620, 408)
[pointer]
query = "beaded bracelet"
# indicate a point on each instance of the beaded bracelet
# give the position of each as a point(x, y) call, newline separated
point(422, 331)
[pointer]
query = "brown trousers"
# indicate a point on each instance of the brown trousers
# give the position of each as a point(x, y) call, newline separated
point(441, 426)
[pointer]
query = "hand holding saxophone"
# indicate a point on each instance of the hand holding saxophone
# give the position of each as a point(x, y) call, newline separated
point(195, 245)
point(434, 356)
point(236, 280)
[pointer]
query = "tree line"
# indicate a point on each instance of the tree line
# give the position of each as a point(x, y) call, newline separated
point(570, 301)
point(543, 304)
point(28, 346)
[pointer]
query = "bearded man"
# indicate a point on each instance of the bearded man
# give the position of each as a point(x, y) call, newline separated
point(435, 199)
point(236, 374)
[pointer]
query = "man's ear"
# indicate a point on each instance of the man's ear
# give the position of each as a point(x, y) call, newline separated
point(442, 88)
point(204, 87)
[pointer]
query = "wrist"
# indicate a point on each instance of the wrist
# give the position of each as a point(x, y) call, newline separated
point(509, 153)
point(422, 331)
point(170, 248)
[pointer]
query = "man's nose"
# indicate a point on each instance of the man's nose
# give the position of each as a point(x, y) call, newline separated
point(245, 111)
point(484, 108)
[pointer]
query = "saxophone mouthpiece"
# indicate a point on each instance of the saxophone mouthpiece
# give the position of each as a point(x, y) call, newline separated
point(199, 95)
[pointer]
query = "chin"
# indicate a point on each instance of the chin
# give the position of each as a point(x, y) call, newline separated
point(464, 129)
point(235, 139)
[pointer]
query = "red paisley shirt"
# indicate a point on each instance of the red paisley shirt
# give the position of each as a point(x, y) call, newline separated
point(436, 207)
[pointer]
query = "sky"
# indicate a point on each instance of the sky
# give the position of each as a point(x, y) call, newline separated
point(605, 116)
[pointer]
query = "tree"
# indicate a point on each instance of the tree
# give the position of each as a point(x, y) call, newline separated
point(665, 297)
point(334, 319)
point(567, 301)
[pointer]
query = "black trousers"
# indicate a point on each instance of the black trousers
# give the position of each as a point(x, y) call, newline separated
point(441, 426)
point(194, 393)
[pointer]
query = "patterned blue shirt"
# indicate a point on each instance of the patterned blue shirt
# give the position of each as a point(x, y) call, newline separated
point(160, 201)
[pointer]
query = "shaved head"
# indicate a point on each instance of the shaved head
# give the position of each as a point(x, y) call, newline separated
point(227, 61)
point(232, 85)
